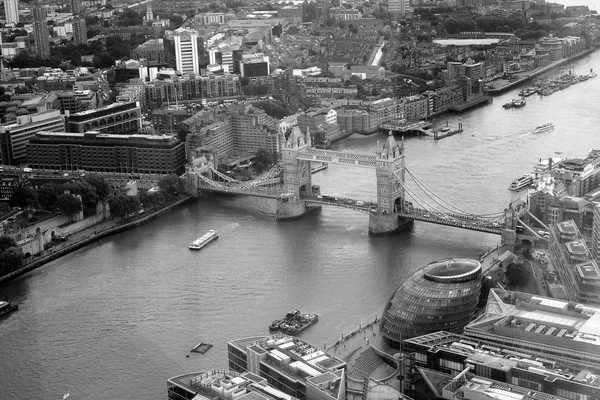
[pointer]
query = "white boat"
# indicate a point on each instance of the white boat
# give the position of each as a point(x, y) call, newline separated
point(203, 240)
point(592, 74)
point(543, 128)
point(521, 182)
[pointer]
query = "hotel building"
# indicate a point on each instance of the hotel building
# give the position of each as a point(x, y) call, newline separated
point(291, 365)
point(98, 152)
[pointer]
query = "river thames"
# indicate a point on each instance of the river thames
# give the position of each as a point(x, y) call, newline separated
point(116, 319)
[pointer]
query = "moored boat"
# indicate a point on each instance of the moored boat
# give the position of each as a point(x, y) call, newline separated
point(275, 325)
point(519, 103)
point(521, 182)
point(7, 308)
point(508, 105)
point(204, 240)
point(592, 74)
point(294, 322)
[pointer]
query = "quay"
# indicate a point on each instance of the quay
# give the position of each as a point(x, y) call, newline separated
point(460, 107)
point(319, 168)
point(88, 236)
point(440, 134)
point(510, 85)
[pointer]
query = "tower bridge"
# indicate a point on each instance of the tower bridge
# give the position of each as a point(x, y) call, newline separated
point(397, 203)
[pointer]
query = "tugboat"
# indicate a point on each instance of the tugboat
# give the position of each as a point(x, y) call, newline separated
point(275, 325)
point(519, 103)
point(508, 105)
point(6, 307)
point(592, 73)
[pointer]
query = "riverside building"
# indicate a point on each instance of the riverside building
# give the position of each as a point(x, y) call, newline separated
point(441, 296)
point(98, 152)
point(572, 260)
point(222, 385)
point(291, 365)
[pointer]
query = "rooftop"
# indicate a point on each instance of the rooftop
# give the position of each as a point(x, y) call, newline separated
point(577, 247)
point(567, 227)
point(588, 270)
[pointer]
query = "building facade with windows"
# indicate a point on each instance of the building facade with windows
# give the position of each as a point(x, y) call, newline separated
point(99, 152)
point(11, 11)
point(186, 51)
point(117, 118)
point(41, 35)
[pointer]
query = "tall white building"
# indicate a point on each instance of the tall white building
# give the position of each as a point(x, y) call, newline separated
point(398, 7)
point(11, 10)
point(186, 51)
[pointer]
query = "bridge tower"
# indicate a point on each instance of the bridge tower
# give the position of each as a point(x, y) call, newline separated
point(390, 193)
point(296, 175)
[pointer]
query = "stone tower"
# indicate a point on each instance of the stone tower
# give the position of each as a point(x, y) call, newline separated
point(390, 193)
point(390, 168)
point(296, 174)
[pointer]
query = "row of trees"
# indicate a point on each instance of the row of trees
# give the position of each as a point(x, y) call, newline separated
point(10, 255)
point(64, 197)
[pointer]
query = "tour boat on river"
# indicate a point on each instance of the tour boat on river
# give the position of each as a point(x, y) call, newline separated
point(543, 128)
point(204, 240)
point(521, 182)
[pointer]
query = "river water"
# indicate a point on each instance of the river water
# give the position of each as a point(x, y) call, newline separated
point(116, 319)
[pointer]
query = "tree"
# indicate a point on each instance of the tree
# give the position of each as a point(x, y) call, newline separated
point(6, 242)
point(47, 196)
point(68, 203)
point(171, 184)
point(99, 184)
point(10, 260)
point(517, 274)
point(24, 197)
point(122, 205)
point(152, 199)
point(262, 159)
point(292, 30)
point(87, 192)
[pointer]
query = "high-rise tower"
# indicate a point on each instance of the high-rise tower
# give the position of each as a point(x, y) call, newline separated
point(79, 30)
point(74, 6)
point(11, 11)
point(186, 51)
point(41, 36)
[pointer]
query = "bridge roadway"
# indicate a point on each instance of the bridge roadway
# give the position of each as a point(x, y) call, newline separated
point(457, 221)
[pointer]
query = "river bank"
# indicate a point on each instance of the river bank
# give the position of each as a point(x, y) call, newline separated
point(90, 235)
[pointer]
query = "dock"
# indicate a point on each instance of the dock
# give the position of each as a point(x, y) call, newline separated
point(201, 348)
point(439, 134)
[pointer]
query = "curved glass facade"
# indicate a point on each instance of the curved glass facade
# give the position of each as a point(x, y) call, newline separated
point(441, 296)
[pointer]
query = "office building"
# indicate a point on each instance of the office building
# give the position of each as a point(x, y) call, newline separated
point(186, 51)
point(443, 295)
point(596, 234)
point(254, 65)
point(555, 329)
point(253, 129)
point(99, 152)
point(41, 36)
point(119, 118)
point(79, 31)
point(572, 260)
point(398, 7)
point(222, 385)
point(167, 120)
point(14, 136)
point(11, 11)
point(290, 365)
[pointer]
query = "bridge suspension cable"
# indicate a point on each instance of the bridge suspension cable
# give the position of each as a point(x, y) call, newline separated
point(223, 176)
point(443, 203)
point(417, 198)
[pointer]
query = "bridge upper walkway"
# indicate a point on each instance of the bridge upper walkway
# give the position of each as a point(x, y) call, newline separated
point(337, 157)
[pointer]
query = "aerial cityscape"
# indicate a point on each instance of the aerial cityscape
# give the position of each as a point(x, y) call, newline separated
point(300, 200)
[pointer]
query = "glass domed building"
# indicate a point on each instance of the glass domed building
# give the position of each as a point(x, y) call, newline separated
point(440, 297)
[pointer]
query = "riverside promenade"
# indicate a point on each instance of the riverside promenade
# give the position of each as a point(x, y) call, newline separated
point(504, 85)
point(87, 236)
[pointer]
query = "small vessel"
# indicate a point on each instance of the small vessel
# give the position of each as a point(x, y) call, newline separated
point(519, 103)
point(275, 325)
point(445, 129)
point(521, 182)
point(7, 308)
point(592, 74)
point(300, 323)
point(558, 152)
point(203, 240)
point(508, 105)
point(543, 128)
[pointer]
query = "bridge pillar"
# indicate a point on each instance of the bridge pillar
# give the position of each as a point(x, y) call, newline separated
point(289, 207)
point(387, 223)
point(296, 173)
